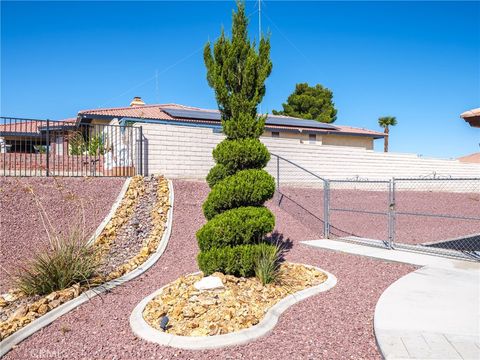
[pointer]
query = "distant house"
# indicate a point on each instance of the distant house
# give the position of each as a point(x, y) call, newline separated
point(472, 158)
point(472, 117)
point(306, 131)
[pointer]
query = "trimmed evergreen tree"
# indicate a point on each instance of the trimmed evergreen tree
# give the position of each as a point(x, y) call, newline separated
point(310, 102)
point(233, 237)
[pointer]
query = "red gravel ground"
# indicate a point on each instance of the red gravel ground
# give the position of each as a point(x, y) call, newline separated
point(307, 203)
point(333, 325)
point(21, 229)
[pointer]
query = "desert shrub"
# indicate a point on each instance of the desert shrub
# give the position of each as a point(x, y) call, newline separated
point(238, 261)
point(79, 146)
point(76, 143)
point(241, 154)
point(216, 174)
point(68, 260)
point(243, 225)
point(96, 145)
point(267, 263)
point(246, 188)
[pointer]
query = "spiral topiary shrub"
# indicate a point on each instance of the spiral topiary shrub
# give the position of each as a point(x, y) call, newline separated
point(233, 239)
point(239, 260)
point(216, 174)
point(243, 225)
point(235, 155)
point(245, 188)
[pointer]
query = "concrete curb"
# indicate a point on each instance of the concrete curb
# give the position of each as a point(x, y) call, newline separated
point(113, 209)
point(143, 330)
point(8, 343)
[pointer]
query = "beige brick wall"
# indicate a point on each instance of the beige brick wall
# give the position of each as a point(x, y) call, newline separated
point(185, 152)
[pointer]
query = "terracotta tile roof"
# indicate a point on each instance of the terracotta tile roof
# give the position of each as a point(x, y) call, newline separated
point(155, 112)
point(142, 112)
point(472, 158)
point(470, 113)
point(29, 127)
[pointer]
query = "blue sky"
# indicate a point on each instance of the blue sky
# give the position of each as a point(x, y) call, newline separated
point(418, 61)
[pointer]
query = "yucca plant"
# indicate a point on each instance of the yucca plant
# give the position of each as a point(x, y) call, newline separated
point(267, 265)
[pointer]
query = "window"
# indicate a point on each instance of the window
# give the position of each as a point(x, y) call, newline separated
point(312, 138)
point(275, 134)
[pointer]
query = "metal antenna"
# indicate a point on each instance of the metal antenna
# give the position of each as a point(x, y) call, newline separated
point(259, 34)
point(156, 86)
point(259, 20)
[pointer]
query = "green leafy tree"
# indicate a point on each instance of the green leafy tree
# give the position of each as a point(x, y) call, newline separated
point(310, 102)
point(237, 220)
point(385, 122)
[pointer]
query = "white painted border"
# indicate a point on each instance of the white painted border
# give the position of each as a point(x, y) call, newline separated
point(8, 343)
point(112, 212)
point(143, 330)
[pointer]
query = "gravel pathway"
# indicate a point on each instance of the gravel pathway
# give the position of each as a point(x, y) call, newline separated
point(21, 229)
point(334, 325)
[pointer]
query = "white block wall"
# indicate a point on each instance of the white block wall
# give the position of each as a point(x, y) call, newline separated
point(186, 152)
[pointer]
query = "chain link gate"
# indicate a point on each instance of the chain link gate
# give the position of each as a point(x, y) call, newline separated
point(435, 215)
point(360, 211)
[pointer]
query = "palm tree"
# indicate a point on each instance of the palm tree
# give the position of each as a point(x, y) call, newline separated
point(385, 122)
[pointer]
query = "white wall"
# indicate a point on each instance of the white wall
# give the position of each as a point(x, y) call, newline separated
point(185, 152)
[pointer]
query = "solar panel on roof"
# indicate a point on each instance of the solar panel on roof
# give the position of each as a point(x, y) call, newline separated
point(291, 121)
point(193, 114)
point(271, 120)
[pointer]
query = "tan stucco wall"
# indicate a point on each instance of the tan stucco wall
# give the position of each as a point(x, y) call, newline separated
point(302, 137)
point(355, 141)
point(337, 140)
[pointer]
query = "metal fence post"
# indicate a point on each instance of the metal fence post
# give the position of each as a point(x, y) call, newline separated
point(278, 173)
point(326, 209)
point(48, 148)
point(391, 213)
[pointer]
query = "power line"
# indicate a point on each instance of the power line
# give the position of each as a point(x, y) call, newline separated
point(289, 41)
point(154, 76)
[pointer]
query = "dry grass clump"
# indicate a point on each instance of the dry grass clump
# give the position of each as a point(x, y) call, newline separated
point(67, 261)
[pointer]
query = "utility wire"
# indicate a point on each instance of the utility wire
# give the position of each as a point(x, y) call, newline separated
point(154, 76)
point(289, 41)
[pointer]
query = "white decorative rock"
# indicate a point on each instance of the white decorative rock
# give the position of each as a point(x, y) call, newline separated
point(8, 297)
point(209, 283)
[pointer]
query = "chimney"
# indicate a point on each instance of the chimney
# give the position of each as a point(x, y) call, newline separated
point(137, 101)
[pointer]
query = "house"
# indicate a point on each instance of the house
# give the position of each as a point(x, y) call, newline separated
point(472, 117)
point(32, 136)
point(305, 131)
point(472, 158)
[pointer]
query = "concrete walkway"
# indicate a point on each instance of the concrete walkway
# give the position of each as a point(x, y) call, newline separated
point(431, 313)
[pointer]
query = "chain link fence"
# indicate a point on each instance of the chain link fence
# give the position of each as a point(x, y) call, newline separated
point(301, 193)
point(432, 214)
